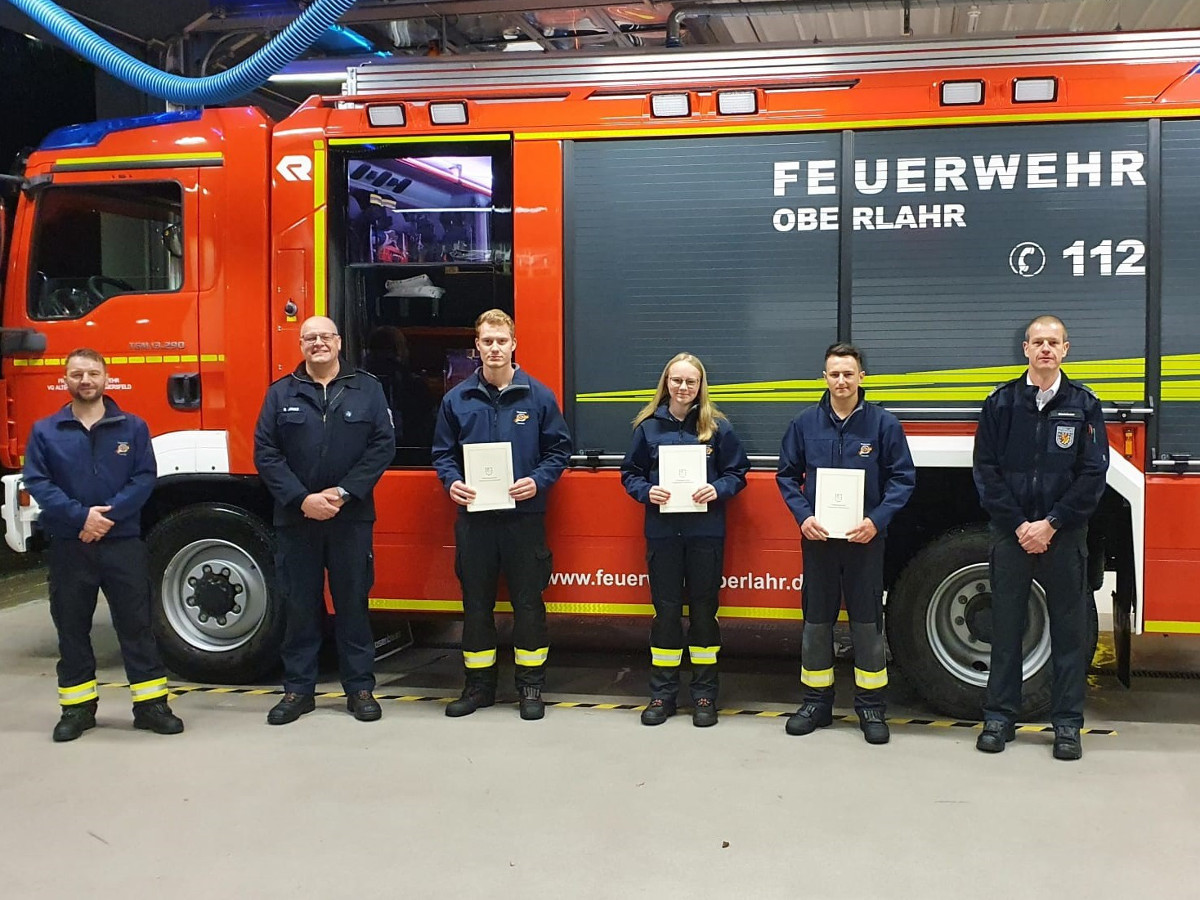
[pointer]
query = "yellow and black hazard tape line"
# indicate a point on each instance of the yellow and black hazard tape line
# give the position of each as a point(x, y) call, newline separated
point(177, 689)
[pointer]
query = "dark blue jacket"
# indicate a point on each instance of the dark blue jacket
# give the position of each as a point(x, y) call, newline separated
point(69, 469)
point(524, 413)
point(1031, 464)
point(311, 437)
point(870, 438)
point(727, 468)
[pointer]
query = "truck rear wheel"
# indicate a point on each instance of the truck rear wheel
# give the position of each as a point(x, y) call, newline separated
point(215, 609)
point(939, 622)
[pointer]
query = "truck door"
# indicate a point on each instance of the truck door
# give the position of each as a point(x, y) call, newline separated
point(111, 265)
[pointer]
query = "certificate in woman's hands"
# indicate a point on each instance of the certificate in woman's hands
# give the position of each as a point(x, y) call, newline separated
point(682, 470)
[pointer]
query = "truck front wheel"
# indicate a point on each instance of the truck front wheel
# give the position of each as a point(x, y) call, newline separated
point(215, 609)
point(939, 625)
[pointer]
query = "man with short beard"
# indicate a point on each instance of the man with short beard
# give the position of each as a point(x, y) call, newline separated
point(91, 469)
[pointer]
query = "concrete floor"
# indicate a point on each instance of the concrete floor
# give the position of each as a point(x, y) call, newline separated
point(586, 803)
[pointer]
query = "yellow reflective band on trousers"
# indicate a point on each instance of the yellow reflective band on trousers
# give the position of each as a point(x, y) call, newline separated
point(870, 681)
point(665, 658)
point(479, 659)
point(818, 678)
point(148, 690)
point(531, 658)
point(703, 656)
point(78, 693)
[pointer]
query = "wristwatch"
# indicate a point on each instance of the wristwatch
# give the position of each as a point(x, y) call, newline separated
point(1053, 522)
point(343, 494)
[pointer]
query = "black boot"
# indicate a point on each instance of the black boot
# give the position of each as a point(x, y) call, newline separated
point(156, 716)
point(75, 721)
point(474, 696)
point(290, 708)
point(364, 706)
point(658, 711)
point(874, 726)
point(1066, 742)
point(704, 712)
point(994, 736)
point(808, 718)
point(533, 707)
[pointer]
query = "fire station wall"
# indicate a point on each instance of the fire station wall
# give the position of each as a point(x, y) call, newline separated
point(671, 248)
point(987, 254)
point(1179, 418)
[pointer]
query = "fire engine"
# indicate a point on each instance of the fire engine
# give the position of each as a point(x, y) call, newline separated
point(924, 201)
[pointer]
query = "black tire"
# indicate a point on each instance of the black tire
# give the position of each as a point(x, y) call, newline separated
point(216, 612)
point(938, 620)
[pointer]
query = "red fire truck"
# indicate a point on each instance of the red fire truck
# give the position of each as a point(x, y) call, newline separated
point(924, 201)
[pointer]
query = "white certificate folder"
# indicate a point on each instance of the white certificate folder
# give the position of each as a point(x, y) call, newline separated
point(682, 470)
point(488, 468)
point(840, 499)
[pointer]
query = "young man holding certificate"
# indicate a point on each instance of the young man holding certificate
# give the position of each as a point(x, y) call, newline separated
point(685, 463)
point(844, 471)
point(499, 445)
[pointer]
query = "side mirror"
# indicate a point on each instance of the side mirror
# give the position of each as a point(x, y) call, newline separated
point(21, 340)
point(3, 240)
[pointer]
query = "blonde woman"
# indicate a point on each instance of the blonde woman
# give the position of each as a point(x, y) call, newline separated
point(684, 551)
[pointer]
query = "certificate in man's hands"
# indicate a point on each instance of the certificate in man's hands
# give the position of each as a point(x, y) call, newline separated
point(839, 500)
point(488, 468)
point(682, 470)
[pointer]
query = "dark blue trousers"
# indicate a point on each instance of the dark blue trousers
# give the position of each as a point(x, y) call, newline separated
point(119, 567)
point(305, 553)
point(1062, 572)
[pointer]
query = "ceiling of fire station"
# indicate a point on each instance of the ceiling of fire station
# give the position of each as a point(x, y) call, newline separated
point(205, 36)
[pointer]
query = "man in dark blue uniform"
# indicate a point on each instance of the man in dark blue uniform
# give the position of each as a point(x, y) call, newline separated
point(501, 402)
point(91, 469)
point(1041, 455)
point(324, 438)
point(844, 431)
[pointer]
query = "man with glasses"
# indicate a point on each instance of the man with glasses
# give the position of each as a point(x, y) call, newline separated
point(324, 438)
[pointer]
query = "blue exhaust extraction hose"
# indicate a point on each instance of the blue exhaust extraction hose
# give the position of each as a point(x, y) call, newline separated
point(247, 75)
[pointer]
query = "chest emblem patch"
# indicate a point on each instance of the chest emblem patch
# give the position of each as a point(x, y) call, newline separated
point(521, 417)
point(122, 448)
point(865, 449)
point(1064, 436)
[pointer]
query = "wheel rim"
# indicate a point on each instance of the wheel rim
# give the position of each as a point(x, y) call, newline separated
point(214, 595)
point(958, 626)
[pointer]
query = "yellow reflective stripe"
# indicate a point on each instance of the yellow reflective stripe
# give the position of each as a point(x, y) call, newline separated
point(319, 236)
point(148, 690)
point(479, 659)
point(870, 681)
point(165, 158)
point(665, 657)
point(420, 138)
point(531, 657)
point(818, 678)
point(1113, 379)
point(78, 693)
point(703, 656)
point(50, 361)
point(837, 125)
